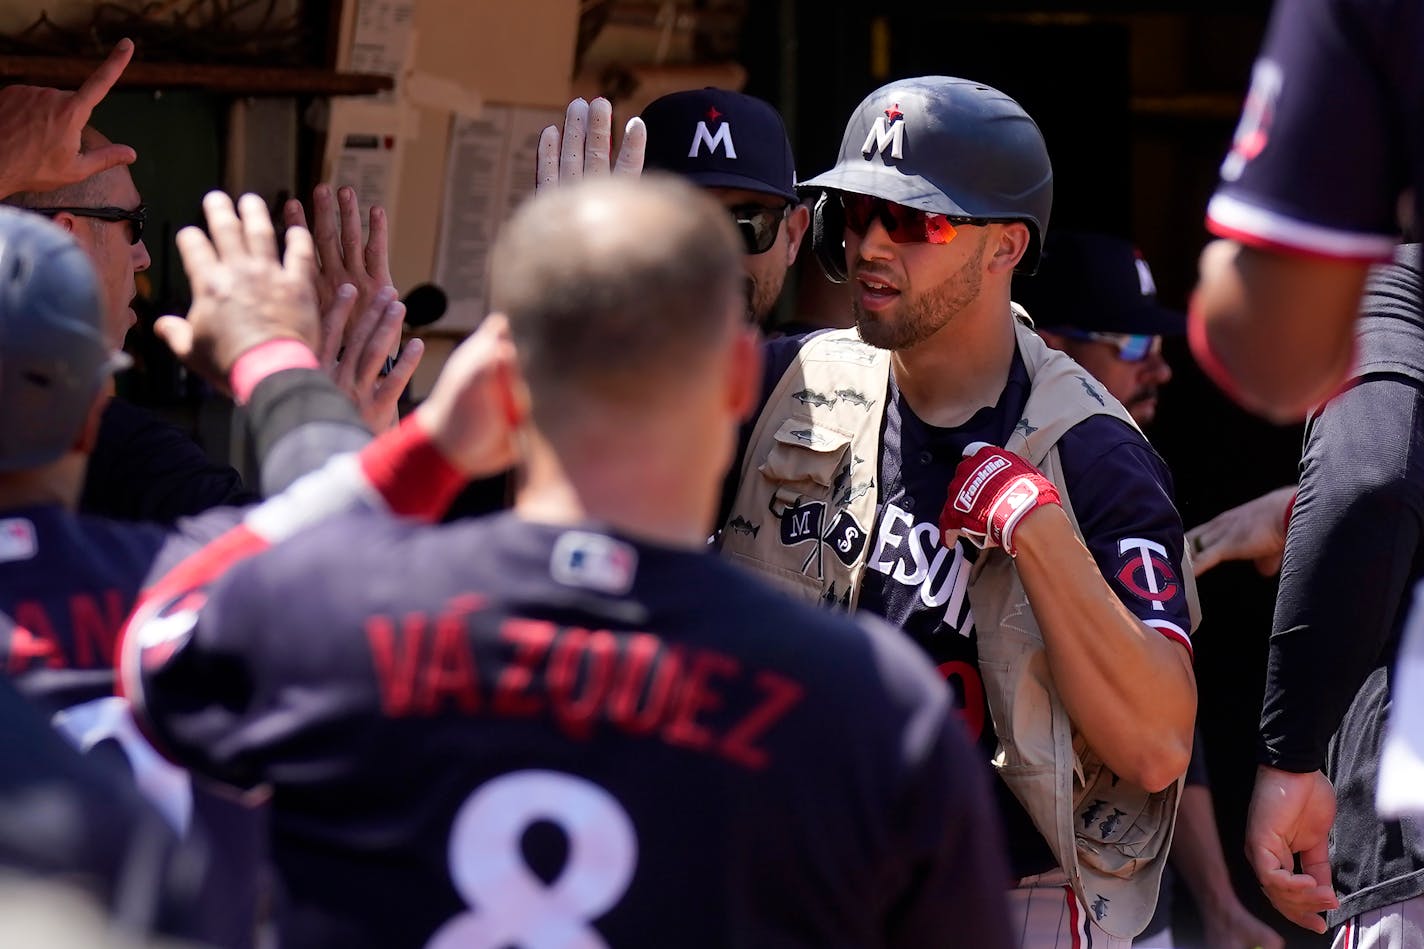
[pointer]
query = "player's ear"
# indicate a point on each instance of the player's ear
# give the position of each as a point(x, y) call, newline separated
point(798, 220)
point(1008, 242)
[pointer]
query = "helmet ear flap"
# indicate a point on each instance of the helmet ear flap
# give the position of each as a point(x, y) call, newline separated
point(828, 236)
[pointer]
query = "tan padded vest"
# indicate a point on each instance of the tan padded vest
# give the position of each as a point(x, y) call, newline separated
point(804, 515)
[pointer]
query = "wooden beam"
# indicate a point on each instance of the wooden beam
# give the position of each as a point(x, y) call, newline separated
point(67, 73)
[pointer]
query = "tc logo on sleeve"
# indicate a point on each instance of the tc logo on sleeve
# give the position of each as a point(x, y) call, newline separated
point(1254, 130)
point(1146, 572)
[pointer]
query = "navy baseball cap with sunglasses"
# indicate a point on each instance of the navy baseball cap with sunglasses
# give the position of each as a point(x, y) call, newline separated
point(722, 139)
point(1093, 285)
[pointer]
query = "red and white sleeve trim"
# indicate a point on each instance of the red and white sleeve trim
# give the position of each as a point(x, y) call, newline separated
point(1171, 631)
point(1254, 226)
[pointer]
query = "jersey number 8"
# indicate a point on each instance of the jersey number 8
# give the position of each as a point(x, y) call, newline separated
point(509, 904)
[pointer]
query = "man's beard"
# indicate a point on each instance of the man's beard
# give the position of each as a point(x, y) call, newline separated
point(922, 316)
point(761, 300)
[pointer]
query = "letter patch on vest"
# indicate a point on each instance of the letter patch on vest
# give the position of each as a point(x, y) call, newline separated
point(802, 523)
point(846, 538)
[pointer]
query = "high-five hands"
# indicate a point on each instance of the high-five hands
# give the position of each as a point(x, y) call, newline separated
point(243, 295)
point(353, 279)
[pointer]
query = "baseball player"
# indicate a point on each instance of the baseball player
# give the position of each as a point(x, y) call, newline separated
point(733, 145)
point(572, 724)
point(1302, 223)
point(940, 467)
point(68, 581)
point(1352, 555)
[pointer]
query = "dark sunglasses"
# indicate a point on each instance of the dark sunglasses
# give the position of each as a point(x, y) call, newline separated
point(137, 218)
point(759, 225)
point(903, 225)
point(1131, 347)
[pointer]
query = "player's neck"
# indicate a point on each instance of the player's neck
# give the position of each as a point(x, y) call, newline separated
point(963, 367)
point(60, 482)
point(649, 488)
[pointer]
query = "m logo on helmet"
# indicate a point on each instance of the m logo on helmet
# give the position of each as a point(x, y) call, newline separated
point(703, 135)
point(887, 132)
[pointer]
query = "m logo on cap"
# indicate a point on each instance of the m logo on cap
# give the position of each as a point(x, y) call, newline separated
point(723, 136)
point(888, 130)
point(1144, 276)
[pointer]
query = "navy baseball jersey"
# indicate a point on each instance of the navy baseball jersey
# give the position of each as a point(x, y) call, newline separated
point(496, 733)
point(1121, 495)
point(67, 583)
point(1332, 133)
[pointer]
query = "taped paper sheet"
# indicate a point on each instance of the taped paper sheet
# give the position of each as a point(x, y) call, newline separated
point(489, 169)
point(364, 145)
point(382, 40)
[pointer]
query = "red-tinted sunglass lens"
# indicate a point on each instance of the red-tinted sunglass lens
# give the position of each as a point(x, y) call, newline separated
point(903, 225)
point(860, 210)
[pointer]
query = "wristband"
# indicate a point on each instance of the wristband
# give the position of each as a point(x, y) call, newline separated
point(409, 471)
point(265, 359)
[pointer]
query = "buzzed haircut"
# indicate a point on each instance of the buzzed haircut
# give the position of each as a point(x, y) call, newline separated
point(614, 287)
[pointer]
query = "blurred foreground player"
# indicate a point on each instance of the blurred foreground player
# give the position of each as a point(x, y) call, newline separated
point(572, 724)
point(1274, 311)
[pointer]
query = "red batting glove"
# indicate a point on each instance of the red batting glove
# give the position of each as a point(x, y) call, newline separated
point(991, 492)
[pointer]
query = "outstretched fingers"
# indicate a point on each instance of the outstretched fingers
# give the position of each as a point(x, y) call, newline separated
point(571, 157)
point(634, 148)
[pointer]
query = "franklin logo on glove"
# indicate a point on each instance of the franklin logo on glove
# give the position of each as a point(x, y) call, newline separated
point(993, 489)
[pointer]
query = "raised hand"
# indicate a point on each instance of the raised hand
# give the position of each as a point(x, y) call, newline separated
point(477, 405)
point(582, 149)
point(243, 296)
point(357, 368)
point(341, 257)
point(40, 130)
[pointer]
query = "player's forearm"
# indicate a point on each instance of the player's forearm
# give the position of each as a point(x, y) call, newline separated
point(1129, 690)
point(1275, 332)
point(1354, 543)
point(299, 421)
point(1196, 850)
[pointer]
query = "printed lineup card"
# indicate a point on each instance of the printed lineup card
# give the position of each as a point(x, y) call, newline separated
point(488, 171)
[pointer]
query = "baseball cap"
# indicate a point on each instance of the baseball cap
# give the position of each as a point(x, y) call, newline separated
point(53, 354)
point(1097, 283)
point(721, 139)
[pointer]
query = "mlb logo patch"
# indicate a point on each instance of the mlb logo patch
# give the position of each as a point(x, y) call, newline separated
point(17, 539)
point(594, 562)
